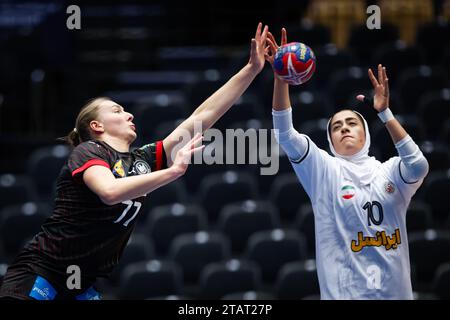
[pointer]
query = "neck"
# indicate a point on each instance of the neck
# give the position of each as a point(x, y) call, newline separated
point(356, 157)
point(117, 143)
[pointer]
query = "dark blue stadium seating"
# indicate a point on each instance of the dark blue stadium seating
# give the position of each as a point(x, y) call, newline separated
point(232, 276)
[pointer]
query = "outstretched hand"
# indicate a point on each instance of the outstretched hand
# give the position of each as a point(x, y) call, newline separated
point(183, 156)
point(381, 87)
point(273, 45)
point(258, 48)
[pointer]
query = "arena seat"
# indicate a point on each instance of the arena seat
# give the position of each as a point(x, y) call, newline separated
point(219, 189)
point(433, 111)
point(305, 224)
point(165, 223)
point(427, 250)
point(139, 248)
point(415, 82)
point(287, 195)
point(194, 251)
point(272, 249)
point(44, 166)
point(221, 278)
point(437, 184)
point(151, 278)
point(16, 189)
point(240, 220)
point(441, 281)
point(297, 280)
point(19, 223)
point(419, 217)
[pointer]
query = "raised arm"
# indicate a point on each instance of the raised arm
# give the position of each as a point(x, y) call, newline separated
point(414, 166)
point(112, 191)
point(381, 103)
point(223, 99)
point(290, 140)
point(281, 100)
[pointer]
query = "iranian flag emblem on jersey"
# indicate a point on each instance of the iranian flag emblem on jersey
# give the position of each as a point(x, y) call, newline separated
point(347, 192)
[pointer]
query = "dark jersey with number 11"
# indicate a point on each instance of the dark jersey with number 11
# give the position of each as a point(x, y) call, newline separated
point(82, 230)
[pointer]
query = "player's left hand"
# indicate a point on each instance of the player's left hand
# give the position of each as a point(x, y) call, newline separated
point(258, 49)
point(381, 87)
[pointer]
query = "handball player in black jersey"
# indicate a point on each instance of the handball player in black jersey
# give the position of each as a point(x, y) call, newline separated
point(103, 186)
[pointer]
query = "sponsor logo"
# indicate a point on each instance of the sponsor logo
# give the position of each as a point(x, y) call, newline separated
point(373, 277)
point(42, 290)
point(386, 241)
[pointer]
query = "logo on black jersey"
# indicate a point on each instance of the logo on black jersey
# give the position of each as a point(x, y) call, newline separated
point(142, 167)
point(118, 169)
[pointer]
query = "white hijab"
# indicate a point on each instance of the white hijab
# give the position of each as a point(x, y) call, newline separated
point(359, 168)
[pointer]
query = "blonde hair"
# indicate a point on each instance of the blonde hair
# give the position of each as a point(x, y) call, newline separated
point(82, 131)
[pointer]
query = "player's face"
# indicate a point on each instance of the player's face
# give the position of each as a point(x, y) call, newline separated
point(347, 133)
point(116, 122)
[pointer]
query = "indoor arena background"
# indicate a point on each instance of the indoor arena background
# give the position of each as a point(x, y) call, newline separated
point(222, 231)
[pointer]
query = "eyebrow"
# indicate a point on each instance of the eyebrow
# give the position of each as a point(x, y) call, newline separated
point(346, 119)
point(117, 106)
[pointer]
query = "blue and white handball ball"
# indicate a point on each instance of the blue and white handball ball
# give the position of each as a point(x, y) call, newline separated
point(294, 63)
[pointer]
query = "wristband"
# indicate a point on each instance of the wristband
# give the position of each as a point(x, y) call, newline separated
point(386, 115)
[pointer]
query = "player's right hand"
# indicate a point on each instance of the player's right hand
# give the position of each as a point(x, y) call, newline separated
point(183, 156)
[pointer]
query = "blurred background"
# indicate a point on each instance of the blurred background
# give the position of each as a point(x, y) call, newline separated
point(222, 231)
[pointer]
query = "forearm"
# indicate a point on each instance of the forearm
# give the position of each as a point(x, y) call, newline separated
point(281, 100)
point(135, 186)
point(211, 110)
point(396, 130)
point(223, 99)
point(292, 142)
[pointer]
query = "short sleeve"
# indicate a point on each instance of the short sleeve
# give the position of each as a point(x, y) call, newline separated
point(312, 168)
point(154, 154)
point(86, 155)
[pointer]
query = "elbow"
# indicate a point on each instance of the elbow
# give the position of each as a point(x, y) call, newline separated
point(419, 169)
point(109, 197)
point(283, 137)
point(425, 166)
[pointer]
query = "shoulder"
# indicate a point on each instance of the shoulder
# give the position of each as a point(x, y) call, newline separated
point(154, 154)
point(89, 150)
point(150, 146)
point(391, 164)
point(89, 145)
point(92, 146)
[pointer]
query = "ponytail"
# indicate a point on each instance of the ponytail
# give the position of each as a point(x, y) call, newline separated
point(82, 132)
point(72, 138)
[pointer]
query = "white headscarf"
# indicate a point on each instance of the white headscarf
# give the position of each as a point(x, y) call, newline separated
point(359, 168)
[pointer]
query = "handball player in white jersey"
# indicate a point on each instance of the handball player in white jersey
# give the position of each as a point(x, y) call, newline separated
point(359, 203)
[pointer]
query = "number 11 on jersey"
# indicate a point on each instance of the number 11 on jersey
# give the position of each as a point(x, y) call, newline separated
point(129, 204)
